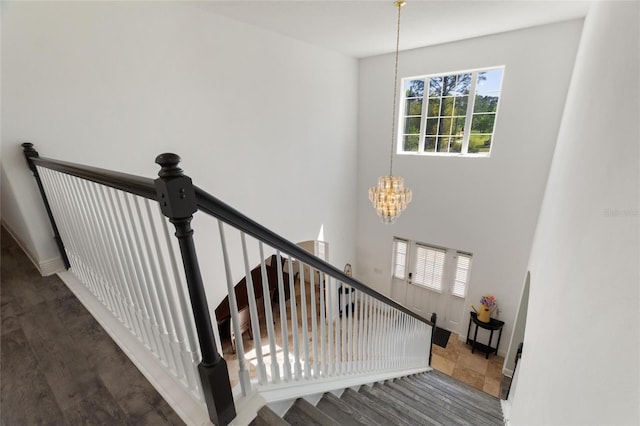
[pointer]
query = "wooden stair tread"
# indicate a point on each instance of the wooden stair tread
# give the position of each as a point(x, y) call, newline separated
point(342, 412)
point(379, 416)
point(461, 393)
point(430, 399)
point(302, 413)
point(266, 417)
point(402, 410)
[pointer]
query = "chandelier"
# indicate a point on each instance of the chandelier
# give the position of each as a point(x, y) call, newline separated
point(390, 197)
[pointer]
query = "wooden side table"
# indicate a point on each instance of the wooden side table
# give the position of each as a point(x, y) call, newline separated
point(492, 326)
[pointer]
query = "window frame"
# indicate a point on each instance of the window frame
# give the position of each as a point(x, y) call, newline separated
point(449, 276)
point(471, 98)
point(457, 255)
point(394, 260)
point(442, 273)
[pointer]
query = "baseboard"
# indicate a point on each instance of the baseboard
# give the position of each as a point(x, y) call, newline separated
point(45, 267)
point(51, 266)
point(190, 410)
point(506, 411)
point(507, 372)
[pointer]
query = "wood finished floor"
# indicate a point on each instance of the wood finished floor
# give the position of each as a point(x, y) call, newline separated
point(58, 366)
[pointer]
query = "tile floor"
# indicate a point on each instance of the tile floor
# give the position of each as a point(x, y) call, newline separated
point(458, 362)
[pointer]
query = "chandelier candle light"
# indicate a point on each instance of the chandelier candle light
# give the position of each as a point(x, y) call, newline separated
point(390, 197)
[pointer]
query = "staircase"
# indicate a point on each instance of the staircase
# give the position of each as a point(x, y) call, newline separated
point(429, 398)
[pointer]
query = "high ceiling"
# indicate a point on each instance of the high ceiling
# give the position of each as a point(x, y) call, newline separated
point(367, 27)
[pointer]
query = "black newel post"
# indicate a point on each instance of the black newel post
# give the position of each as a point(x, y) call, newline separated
point(177, 199)
point(29, 153)
point(434, 319)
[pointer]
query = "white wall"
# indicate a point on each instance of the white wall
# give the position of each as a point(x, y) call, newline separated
point(580, 363)
point(486, 206)
point(264, 122)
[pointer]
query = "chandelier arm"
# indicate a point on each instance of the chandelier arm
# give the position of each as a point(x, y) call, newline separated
point(399, 4)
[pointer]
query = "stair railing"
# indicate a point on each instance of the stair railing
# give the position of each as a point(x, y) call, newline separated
point(112, 230)
point(315, 334)
point(117, 243)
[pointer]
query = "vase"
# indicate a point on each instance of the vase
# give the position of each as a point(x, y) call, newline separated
point(484, 314)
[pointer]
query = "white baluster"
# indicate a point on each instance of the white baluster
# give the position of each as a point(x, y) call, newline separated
point(123, 269)
point(169, 306)
point(351, 311)
point(341, 338)
point(283, 321)
point(323, 341)
point(275, 370)
point(330, 320)
point(338, 327)
point(343, 327)
point(317, 362)
point(93, 259)
point(81, 242)
point(361, 336)
point(243, 372)
point(253, 311)
point(190, 352)
point(104, 248)
point(294, 322)
point(155, 288)
point(305, 325)
point(133, 260)
point(145, 279)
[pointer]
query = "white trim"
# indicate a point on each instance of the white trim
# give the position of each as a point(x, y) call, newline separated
point(45, 267)
point(506, 411)
point(190, 410)
point(288, 390)
point(507, 372)
point(51, 266)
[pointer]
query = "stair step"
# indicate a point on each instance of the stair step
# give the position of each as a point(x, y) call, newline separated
point(266, 417)
point(470, 395)
point(450, 383)
point(457, 399)
point(414, 416)
point(397, 415)
point(342, 412)
point(449, 406)
point(433, 411)
point(363, 405)
point(302, 413)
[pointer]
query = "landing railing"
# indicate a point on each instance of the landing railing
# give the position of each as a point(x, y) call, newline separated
point(310, 324)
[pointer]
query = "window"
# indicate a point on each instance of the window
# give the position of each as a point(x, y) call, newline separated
point(456, 115)
point(429, 267)
point(461, 278)
point(442, 270)
point(399, 259)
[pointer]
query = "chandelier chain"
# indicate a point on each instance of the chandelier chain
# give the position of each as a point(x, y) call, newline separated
point(395, 89)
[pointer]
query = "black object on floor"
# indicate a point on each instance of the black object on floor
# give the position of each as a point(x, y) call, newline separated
point(441, 337)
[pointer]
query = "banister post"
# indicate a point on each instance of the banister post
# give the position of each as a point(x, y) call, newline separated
point(177, 199)
point(30, 153)
point(434, 319)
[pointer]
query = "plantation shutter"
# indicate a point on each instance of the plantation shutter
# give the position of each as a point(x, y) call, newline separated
point(463, 265)
point(399, 259)
point(429, 267)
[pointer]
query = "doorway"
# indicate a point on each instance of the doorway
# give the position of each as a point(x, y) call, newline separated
point(429, 279)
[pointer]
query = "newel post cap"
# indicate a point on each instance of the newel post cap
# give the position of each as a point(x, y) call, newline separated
point(168, 163)
point(174, 189)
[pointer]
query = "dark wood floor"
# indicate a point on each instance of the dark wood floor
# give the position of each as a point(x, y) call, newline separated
point(57, 365)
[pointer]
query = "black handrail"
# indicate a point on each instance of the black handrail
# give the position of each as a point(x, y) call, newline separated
point(137, 185)
point(209, 204)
